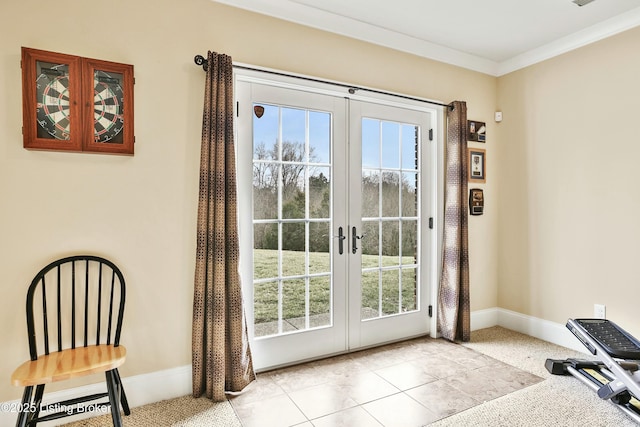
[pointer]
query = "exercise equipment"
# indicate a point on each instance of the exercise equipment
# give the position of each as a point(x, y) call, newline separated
point(615, 374)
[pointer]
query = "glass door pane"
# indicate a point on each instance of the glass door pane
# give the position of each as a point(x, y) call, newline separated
point(390, 177)
point(291, 219)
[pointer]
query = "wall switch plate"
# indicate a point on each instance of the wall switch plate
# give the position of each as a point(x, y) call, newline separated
point(599, 311)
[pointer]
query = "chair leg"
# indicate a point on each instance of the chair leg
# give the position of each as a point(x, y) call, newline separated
point(37, 401)
point(26, 401)
point(114, 398)
point(123, 395)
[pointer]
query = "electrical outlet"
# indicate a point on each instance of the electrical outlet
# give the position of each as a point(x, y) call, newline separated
point(599, 311)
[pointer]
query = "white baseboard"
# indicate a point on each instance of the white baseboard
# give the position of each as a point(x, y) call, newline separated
point(141, 390)
point(545, 330)
point(176, 382)
point(482, 319)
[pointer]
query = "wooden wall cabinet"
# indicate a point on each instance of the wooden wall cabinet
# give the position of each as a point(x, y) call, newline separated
point(76, 104)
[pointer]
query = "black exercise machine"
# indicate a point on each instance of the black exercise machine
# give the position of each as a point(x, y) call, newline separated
point(615, 375)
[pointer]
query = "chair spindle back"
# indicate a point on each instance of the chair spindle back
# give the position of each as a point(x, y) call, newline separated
point(87, 289)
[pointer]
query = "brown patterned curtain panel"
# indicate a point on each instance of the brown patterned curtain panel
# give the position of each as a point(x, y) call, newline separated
point(454, 317)
point(221, 355)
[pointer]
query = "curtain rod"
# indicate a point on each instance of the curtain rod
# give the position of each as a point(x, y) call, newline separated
point(202, 61)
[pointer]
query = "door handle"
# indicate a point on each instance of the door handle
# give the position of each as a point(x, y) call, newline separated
point(340, 238)
point(354, 240)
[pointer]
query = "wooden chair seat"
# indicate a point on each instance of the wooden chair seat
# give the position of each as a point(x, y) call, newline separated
point(69, 363)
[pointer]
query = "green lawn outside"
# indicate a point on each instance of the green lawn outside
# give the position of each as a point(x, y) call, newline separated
point(293, 293)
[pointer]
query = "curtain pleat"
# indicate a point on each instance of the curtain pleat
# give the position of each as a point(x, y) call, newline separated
point(221, 355)
point(454, 317)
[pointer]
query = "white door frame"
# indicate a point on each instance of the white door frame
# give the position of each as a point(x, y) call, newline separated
point(434, 195)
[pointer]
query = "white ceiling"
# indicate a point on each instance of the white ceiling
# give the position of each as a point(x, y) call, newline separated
point(491, 36)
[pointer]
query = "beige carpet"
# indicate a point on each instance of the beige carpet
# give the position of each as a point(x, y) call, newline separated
point(556, 401)
point(181, 412)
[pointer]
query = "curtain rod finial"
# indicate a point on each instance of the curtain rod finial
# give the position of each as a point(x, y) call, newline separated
point(200, 60)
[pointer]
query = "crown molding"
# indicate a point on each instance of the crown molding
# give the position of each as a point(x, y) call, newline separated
point(319, 19)
point(326, 21)
point(601, 31)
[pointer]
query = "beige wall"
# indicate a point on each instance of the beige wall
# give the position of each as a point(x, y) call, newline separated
point(141, 210)
point(568, 182)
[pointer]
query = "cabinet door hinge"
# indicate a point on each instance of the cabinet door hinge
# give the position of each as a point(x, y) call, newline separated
point(430, 311)
point(431, 223)
point(430, 134)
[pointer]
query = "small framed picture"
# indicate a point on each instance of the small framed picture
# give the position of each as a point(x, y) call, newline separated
point(477, 165)
point(477, 131)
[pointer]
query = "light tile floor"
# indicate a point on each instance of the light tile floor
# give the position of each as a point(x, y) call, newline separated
point(412, 383)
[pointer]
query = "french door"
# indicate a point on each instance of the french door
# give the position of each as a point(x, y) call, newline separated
point(388, 296)
point(334, 221)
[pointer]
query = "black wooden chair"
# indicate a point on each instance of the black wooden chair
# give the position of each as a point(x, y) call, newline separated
point(76, 304)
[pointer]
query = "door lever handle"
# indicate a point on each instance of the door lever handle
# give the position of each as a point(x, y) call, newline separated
point(340, 238)
point(354, 240)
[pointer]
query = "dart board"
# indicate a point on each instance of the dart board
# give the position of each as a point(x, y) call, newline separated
point(108, 105)
point(76, 104)
point(52, 94)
